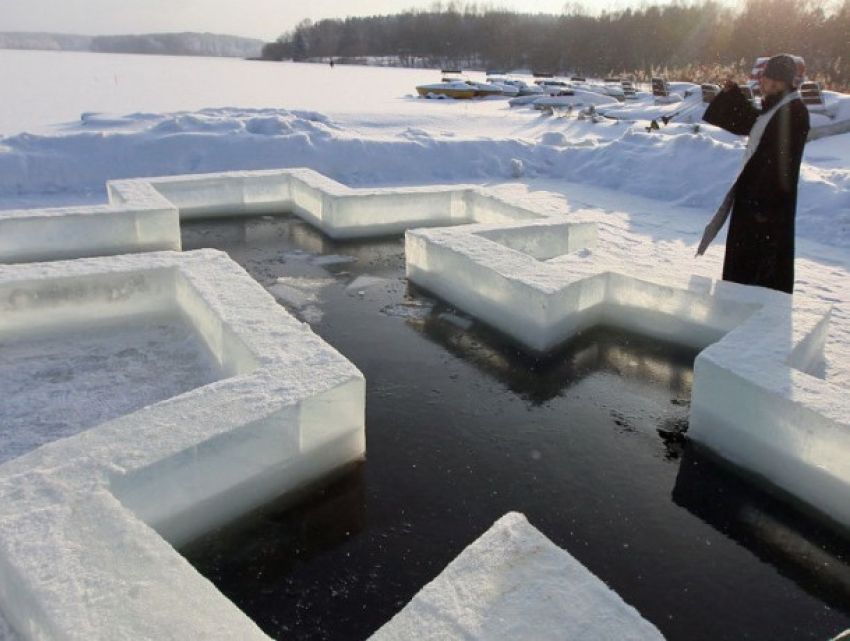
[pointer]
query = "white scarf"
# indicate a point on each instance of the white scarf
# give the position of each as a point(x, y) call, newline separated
point(719, 219)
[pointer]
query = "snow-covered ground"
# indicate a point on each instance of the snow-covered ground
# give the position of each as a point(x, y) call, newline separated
point(71, 121)
point(132, 116)
point(80, 119)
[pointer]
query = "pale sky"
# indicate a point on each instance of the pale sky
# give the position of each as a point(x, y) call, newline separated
point(264, 19)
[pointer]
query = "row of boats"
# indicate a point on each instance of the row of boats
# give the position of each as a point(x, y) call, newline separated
point(543, 89)
point(455, 85)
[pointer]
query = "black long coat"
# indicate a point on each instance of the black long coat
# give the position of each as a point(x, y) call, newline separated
point(760, 242)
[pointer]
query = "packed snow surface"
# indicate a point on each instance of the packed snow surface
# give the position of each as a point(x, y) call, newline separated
point(514, 583)
point(58, 384)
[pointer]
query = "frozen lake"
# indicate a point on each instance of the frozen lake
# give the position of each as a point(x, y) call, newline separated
point(121, 84)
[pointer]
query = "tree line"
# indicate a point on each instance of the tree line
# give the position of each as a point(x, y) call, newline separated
point(679, 39)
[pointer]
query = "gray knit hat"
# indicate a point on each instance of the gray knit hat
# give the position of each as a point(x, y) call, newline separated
point(782, 67)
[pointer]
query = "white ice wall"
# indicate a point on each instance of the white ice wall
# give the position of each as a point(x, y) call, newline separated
point(144, 214)
point(339, 211)
point(754, 405)
point(74, 232)
point(753, 402)
point(87, 523)
point(41, 298)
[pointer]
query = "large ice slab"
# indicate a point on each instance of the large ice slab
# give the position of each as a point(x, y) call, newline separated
point(87, 523)
point(754, 405)
point(514, 583)
point(755, 401)
point(541, 282)
point(144, 222)
point(144, 213)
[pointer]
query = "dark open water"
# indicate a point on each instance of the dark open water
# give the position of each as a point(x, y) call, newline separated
point(461, 428)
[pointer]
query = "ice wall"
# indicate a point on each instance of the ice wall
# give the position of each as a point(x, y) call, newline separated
point(144, 214)
point(514, 583)
point(755, 402)
point(76, 232)
point(339, 211)
point(87, 523)
point(754, 405)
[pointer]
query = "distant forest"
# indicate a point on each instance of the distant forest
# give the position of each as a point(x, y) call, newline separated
point(684, 40)
point(171, 44)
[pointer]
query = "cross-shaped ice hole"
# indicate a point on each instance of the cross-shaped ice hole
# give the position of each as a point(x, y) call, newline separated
point(87, 523)
point(752, 401)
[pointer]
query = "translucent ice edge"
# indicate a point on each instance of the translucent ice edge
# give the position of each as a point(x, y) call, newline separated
point(753, 402)
point(144, 214)
point(87, 523)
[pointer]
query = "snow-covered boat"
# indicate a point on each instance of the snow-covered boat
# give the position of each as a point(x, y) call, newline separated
point(514, 87)
point(505, 85)
point(525, 89)
point(574, 98)
point(552, 86)
point(458, 89)
point(521, 101)
point(485, 89)
point(456, 85)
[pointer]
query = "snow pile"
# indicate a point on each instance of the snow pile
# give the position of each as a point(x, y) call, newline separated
point(213, 140)
point(514, 583)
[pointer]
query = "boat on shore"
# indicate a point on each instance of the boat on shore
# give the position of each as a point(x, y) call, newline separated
point(457, 89)
point(455, 85)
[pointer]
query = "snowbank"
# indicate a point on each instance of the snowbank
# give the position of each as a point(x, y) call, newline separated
point(681, 164)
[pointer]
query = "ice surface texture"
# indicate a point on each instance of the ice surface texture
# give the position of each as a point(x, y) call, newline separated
point(59, 384)
point(514, 583)
point(755, 402)
point(87, 523)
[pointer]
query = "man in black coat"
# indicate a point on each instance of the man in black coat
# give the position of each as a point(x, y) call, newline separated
point(760, 242)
